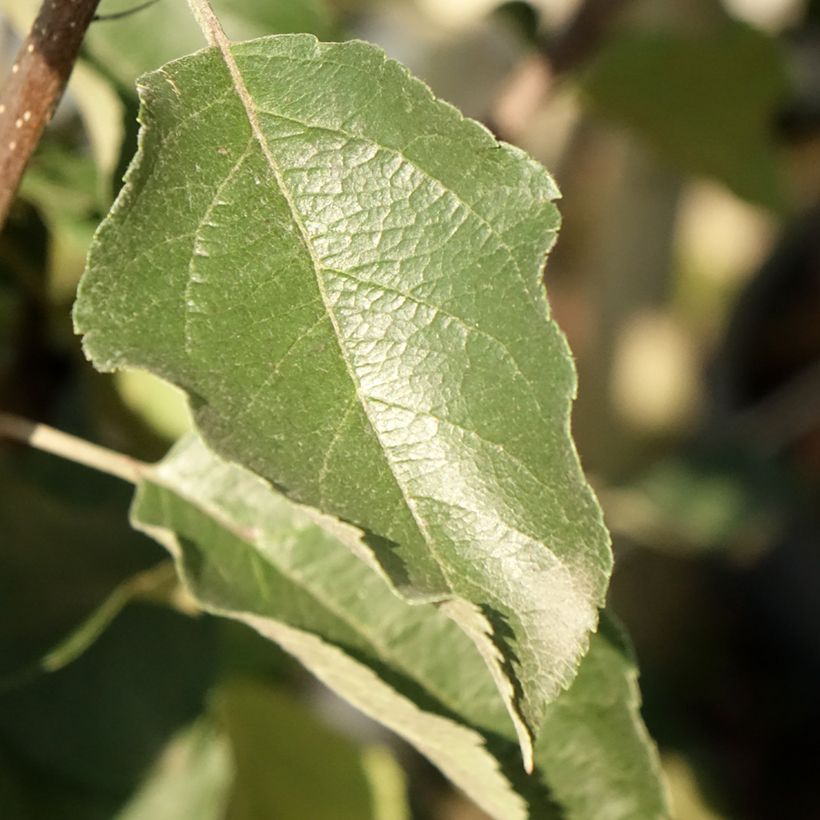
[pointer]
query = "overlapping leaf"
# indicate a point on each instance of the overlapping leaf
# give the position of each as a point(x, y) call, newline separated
point(245, 552)
point(345, 276)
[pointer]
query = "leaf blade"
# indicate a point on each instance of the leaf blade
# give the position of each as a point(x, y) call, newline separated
point(381, 350)
point(407, 666)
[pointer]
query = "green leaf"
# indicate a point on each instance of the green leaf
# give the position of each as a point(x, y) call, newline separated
point(191, 780)
point(597, 755)
point(706, 102)
point(247, 553)
point(288, 764)
point(345, 276)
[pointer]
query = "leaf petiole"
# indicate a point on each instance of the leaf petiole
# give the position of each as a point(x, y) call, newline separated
point(71, 447)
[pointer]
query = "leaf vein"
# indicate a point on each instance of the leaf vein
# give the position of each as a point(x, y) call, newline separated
point(251, 113)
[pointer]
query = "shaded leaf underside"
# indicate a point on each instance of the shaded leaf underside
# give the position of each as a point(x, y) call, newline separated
point(245, 552)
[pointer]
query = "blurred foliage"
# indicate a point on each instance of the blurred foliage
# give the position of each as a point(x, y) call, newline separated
point(288, 763)
point(63, 529)
point(191, 779)
point(714, 511)
point(707, 101)
point(167, 30)
point(81, 738)
point(158, 403)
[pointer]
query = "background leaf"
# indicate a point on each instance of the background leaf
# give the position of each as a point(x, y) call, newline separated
point(102, 112)
point(288, 763)
point(143, 42)
point(147, 675)
point(191, 779)
point(708, 102)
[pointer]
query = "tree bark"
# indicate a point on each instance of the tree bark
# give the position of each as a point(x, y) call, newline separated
point(35, 85)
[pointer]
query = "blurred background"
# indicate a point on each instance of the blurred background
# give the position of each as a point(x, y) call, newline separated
point(685, 137)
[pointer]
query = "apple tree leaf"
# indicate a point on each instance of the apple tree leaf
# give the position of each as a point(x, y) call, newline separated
point(344, 275)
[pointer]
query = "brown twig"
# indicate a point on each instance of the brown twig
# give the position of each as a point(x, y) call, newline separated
point(583, 34)
point(531, 82)
point(36, 83)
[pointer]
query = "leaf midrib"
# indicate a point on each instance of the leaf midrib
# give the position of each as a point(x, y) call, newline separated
point(336, 130)
point(250, 112)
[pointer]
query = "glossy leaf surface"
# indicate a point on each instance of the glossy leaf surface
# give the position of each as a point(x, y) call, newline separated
point(345, 276)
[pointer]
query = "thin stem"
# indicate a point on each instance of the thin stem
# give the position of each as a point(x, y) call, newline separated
point(72, 448)
point(209, 24)
point(146, 585)
point(31, 93)
point(119, 15)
